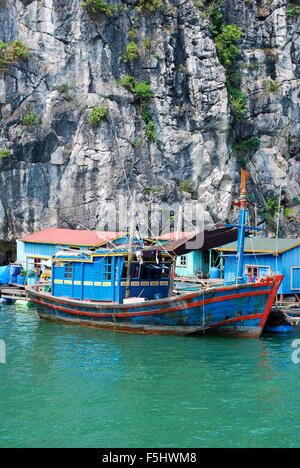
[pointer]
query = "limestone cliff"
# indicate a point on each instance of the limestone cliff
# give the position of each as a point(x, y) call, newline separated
point(59, 170)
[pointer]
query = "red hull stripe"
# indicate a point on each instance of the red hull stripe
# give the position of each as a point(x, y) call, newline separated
point(238, 319)
point(270, 302)
point(182, 298)
point(161, 311)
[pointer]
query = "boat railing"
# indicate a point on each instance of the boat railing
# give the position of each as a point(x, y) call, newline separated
point(40, 287)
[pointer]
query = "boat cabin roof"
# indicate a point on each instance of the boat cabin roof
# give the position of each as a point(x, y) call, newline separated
point(263, 245)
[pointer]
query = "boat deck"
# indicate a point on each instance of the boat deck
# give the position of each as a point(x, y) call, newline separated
point(207, 282)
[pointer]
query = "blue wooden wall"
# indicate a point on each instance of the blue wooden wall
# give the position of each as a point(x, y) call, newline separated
point(195, 261)
point(288, 264)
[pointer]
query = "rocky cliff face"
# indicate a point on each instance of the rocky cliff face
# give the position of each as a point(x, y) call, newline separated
point(62, 171)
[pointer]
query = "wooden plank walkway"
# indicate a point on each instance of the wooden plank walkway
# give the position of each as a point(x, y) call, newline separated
point(295, 321)
point(291, 311)
point(13, 291)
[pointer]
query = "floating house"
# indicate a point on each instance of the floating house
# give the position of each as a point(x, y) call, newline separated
point(198, 261)
point(191, 262)
point(265, 256)
point(34, 250)
point(102, 275)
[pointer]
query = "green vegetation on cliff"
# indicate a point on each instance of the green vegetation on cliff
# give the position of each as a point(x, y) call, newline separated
point(131, 52)
point(293, 8)
point(5, 153)
point(97, 115)
point(150, 5)
point(12, 52)
point(98, 7)
point(142, 93)
point(30, 118)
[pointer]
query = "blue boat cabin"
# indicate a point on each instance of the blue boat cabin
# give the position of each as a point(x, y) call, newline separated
point(263, 257)
point(102, 275)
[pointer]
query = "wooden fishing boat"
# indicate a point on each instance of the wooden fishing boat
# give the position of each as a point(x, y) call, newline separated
point(129, 289)
point(240, 310)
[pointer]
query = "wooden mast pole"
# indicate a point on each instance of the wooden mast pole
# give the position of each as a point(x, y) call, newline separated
point(131, 235)
point(242, 224)
point(242, 227)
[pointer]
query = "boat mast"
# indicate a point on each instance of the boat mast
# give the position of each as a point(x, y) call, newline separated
point(131, 236)
point(242, 225)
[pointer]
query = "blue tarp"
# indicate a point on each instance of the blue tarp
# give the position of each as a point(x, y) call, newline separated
point(9, 274)
point(4, 274)
point(14, 271)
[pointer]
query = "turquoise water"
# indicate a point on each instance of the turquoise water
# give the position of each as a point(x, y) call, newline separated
point(69, 386)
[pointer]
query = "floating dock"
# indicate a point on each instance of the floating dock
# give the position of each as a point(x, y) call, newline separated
point(291, 310)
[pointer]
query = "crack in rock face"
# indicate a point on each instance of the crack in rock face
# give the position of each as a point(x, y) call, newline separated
point(183, 142)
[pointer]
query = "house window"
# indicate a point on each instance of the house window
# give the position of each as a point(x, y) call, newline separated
point(252, 270)
point(183, 261)
point(68, 271)
point(35, 264)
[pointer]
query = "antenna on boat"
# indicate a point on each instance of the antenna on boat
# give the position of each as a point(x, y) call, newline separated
point(179, 223)
point(131, 235)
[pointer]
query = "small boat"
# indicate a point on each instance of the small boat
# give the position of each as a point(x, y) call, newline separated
point(282, 329)
point(129, 288)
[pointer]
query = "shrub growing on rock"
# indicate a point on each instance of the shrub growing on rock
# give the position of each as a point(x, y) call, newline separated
point(150, 5)
point(5, 153)
point(226, 43)
point(141, 90)
point(131, 52)
point(30, 118)
point(12, 52)
point(187, 186)
point(98, 7)
point(247, 145)
point(293, 8)
point(97, 115)
point(272, 86)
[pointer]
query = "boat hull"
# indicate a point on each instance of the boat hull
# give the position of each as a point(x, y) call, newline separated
point(238, 310)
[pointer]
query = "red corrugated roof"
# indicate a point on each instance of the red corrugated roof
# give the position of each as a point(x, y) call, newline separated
point(72, 237)
point(173, 236)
